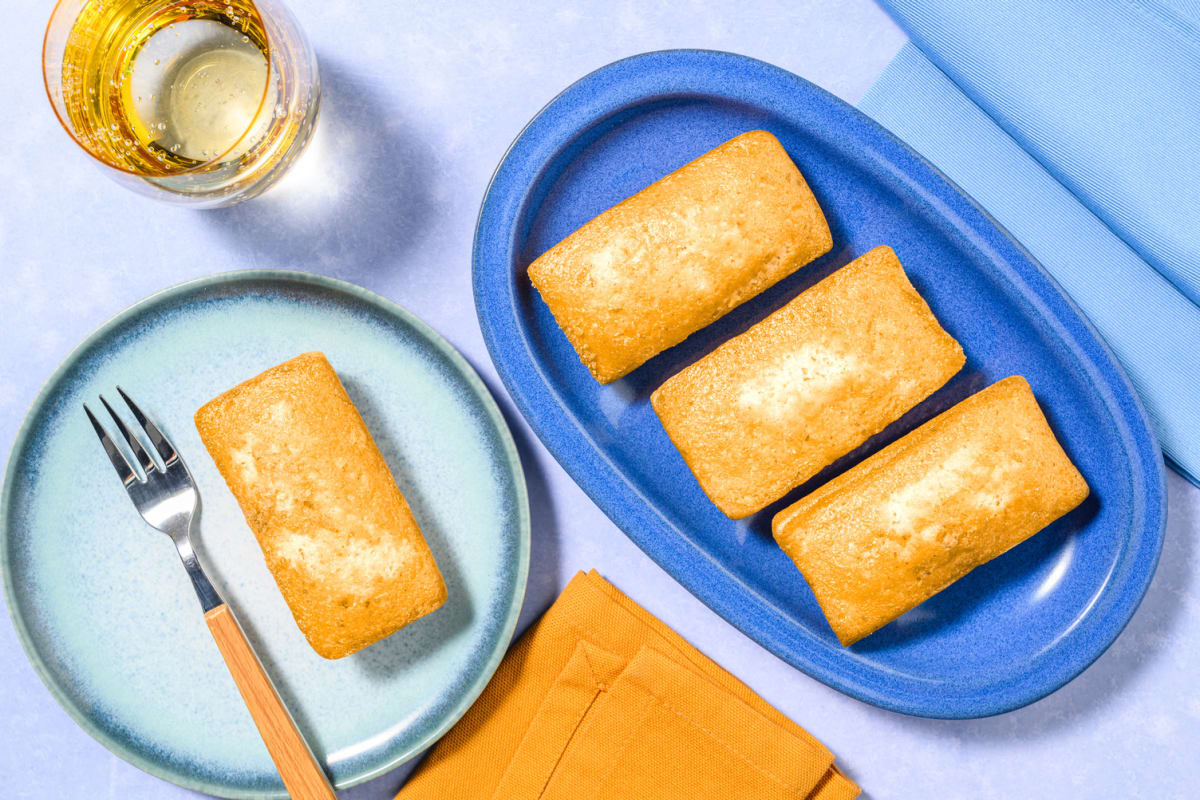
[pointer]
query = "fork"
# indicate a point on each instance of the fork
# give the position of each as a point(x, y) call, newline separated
point(167, 499)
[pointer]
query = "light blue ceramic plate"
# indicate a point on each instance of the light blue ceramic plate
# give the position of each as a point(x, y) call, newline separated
point(106, 612)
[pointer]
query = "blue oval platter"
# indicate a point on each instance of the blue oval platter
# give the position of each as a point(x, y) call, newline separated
point(1013, 630)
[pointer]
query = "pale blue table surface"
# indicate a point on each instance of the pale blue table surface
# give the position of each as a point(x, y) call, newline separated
point(422, 99)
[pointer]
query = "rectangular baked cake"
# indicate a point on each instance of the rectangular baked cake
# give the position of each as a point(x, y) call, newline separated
point(771, 408)
point(918, 515)
point(334, 528)
point(649, 272)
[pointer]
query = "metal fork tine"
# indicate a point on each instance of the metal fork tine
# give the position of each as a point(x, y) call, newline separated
point(124, 471)
point(135, 445)
point(160, 442)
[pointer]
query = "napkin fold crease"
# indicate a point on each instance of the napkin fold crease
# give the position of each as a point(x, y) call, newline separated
point(599, 699)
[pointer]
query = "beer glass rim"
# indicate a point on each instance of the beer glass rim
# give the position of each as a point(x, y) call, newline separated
point(66, 125)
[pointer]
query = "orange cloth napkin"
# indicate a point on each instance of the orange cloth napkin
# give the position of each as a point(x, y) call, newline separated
point(600, 700)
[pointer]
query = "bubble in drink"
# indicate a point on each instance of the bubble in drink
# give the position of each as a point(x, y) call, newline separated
point(158, 104)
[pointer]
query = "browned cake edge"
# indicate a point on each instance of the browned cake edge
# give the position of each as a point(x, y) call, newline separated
point(541, 264)
point(212, 434)
point(1074, 493)
point(951, 355)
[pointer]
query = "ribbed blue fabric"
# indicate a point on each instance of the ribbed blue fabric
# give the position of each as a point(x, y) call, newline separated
point(1153, 327)
point(1104, 93)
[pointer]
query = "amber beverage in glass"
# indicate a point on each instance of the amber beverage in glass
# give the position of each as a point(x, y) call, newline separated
point(199, 102)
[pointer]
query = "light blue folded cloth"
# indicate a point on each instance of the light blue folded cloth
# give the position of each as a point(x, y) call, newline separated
point(1077, 126)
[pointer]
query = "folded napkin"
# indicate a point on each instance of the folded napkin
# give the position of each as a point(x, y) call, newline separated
point(1075, 126)
point(599, 699)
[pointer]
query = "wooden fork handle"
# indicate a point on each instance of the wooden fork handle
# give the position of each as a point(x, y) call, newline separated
point(302, 775)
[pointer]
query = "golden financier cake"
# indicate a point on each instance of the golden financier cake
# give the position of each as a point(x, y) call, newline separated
point(955, 493)
point(336, 532)
point(769, 409)
point(649, 272)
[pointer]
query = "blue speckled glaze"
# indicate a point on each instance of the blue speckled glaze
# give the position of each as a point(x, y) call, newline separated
point(107, 614)
point(1006, 635)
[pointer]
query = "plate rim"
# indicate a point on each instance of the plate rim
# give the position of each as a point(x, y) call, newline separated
point(495, 224)
point(389, 308)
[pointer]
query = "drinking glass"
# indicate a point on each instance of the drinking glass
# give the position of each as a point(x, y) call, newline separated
point(201, 102)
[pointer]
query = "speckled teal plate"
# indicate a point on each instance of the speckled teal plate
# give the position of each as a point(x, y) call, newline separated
point(106, 612)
